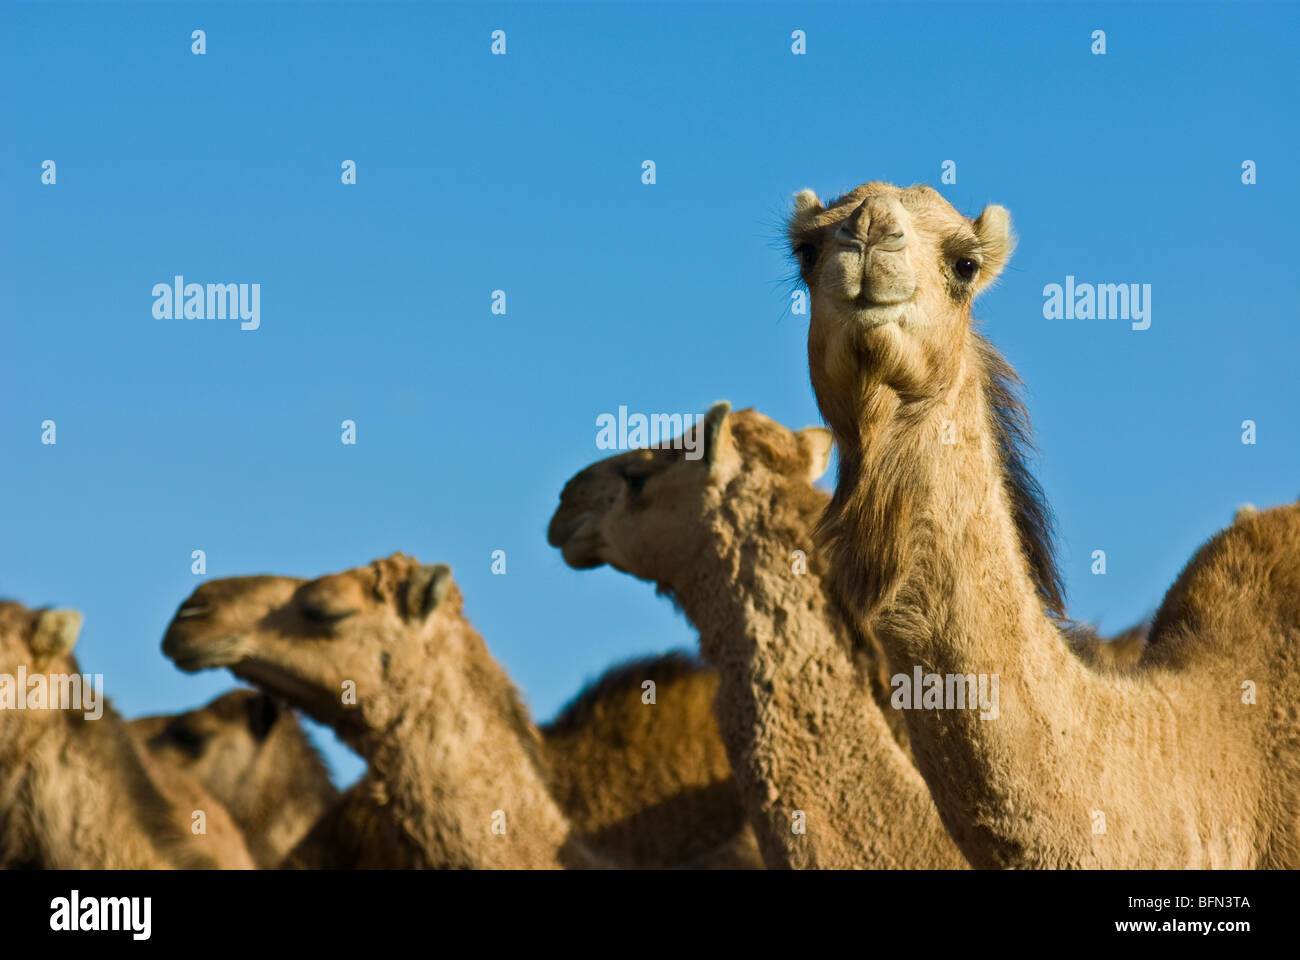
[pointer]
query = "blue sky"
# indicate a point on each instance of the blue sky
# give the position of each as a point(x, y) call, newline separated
point(523, 173)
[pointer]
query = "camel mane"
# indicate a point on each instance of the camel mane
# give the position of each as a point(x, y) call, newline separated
point(1032, 513)
point(880, 483)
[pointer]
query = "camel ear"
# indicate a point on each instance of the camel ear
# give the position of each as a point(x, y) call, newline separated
point(805, 203)
point(806, 209)
point(720, 453)
point(56, 633)
point(817, 443)
point(993, 227)
point(427, 588)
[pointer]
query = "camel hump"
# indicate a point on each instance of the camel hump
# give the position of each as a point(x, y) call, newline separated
point(677, 670)
point(1240, 579)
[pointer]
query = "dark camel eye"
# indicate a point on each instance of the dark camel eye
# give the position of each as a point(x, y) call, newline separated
point(806, 256)
point(185, 739)
point(635, 483)
point(966, 268)
point(324, 617)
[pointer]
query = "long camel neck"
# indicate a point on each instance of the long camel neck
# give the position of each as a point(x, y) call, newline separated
point(822, 775)
point(464, 774)
point(1032, 759)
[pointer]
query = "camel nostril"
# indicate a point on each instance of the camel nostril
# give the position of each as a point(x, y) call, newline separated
point(558, 533)
point(189, 611)
point(847, 238)
point(892, 242)
point(562, 529)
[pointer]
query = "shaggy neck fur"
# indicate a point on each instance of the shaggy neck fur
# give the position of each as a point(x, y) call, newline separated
point(936, 549)
point(800, 715)
point(461, 753)
point(83, 797)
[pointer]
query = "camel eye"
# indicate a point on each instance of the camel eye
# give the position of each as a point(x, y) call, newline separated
point(635, 475)
point(324, 617)
point(185, 739)
point(966, 268)
point(635, 482)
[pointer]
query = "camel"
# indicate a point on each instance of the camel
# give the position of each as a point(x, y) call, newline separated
point(250, 752)
point(719, 536)
point(940, 547)
point(630, 782)
point(76, 790)
point(384, 655)
point(807, 725)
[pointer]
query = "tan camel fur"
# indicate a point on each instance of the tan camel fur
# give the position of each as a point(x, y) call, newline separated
point(383, 654)
point(729, 538)
point(644, 793)
point(939, 546)
point(251, 753)
point(358, 832)
point(77, 791)
point(648, 783)
point(1122, 651)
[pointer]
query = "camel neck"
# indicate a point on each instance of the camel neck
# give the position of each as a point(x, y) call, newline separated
point(823, 777)
point(463, 771)
point(123, 822)
point(965, 574)
point(986, 674)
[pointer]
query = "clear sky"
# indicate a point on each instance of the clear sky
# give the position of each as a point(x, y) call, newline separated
point(523, 173)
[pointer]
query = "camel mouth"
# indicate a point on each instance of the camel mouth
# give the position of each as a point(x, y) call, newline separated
point(582, 554)
point(190, 611)
point(579, 542)
point(192, 656)
point(864, 311)
point(280, 681)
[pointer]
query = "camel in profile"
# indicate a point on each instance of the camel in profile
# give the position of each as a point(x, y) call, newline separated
point(250, 752)
point(940, 548)
point(807, 725)
point(463, 778)
point(77, 791)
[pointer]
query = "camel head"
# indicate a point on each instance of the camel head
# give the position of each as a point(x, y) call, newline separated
point(220, 742)
point(343, 647)
point(643, 512)
point(892, 273)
